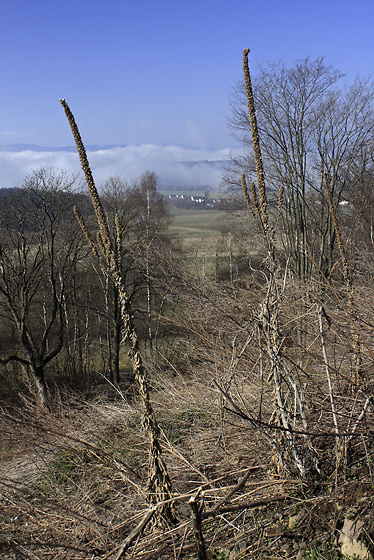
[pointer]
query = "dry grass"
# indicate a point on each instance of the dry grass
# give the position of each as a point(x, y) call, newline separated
point(76, 490)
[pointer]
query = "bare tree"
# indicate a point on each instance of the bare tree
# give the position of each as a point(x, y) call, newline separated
point(308, 127)
point(140, 214)
point(153, 218)
point(38, 252)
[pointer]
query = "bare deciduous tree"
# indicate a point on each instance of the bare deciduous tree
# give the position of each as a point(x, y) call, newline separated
point(141, 217)
point(153, 218)
point(308, 127)
point(38, 251)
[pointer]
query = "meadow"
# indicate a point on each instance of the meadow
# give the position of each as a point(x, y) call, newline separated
point(196, 224)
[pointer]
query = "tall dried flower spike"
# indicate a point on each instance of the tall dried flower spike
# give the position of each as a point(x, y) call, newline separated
point(159, 483)
point(255, 200)
point(87, 173)
point(85, 231)
point(255, 138)
point(246, 196)
point(290, 455)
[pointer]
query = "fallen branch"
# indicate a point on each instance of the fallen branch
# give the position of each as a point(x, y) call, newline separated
point(196, 504)
point(241, 483)
point(120, 550)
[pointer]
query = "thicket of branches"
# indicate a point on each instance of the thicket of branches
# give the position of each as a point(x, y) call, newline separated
point(302, 333)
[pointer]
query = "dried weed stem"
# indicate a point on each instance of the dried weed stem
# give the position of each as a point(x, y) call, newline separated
point(289, 455)
point(159, 484)
point(359, 376)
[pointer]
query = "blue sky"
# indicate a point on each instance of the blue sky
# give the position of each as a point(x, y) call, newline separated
point(158, 72)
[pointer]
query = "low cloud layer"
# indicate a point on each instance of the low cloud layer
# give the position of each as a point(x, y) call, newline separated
point(174, 165)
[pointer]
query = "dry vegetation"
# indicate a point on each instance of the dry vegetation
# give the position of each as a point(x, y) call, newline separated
point(77, 490)
point(249, 434)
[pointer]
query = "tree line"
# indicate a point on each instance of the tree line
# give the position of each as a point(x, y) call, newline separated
point(310, 125)
point(59, 309)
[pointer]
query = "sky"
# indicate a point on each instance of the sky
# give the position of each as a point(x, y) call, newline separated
point(145, 72)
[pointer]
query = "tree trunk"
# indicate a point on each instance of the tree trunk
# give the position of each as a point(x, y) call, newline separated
point(40, 384)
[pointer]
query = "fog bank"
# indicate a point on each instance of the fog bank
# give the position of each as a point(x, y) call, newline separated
point(173, 164)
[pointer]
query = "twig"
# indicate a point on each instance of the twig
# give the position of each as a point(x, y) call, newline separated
point(196, 504)
point(119, 551)
point(19, 549)
point(248, 505)
point(241, 483)
point(327, 368)
point(182, 543)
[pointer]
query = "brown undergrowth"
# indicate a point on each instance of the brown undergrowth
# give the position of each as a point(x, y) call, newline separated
point(77, 488)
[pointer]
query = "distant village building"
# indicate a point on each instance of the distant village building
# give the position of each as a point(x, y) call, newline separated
point(194, 201)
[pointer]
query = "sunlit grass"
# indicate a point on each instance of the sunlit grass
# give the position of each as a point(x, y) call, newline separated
point(196, 223)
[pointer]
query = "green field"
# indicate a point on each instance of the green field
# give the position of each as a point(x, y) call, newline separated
point(196, 224)
point(199, 232)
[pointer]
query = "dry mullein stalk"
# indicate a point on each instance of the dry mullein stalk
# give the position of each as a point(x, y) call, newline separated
point(159, 484)
point(359, 375)
point(291, 453)
point(85, 231)
point(246, 194)
point(87, 172)
point(101, 245)
point(255, 138)
point(260, 201)
point(248, 199)
point(255, 199)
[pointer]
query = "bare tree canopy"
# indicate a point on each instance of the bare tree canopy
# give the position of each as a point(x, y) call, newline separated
point(308, 126)
point(39, 244)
